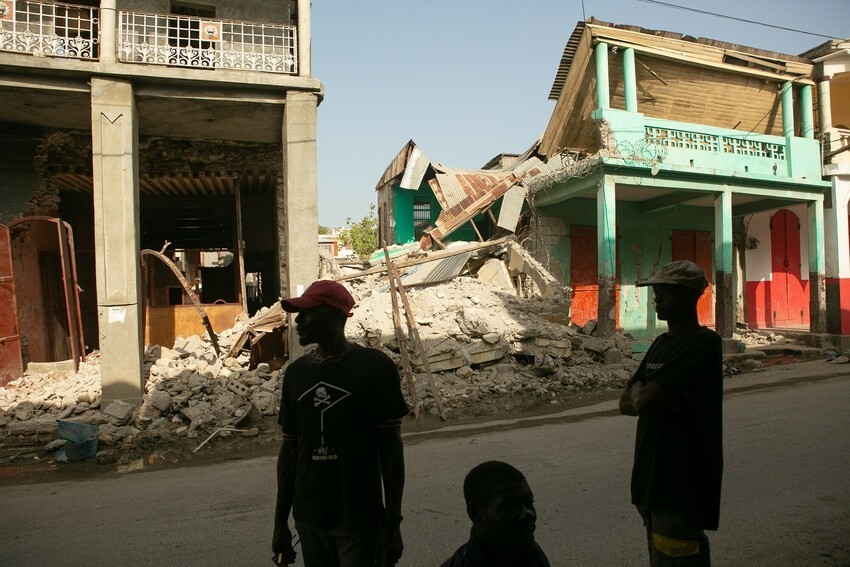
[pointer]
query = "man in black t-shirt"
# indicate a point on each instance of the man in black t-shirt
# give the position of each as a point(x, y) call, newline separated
point(677, 393)
point(341, 463)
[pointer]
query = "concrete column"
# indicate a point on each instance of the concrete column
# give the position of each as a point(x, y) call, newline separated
point(787, 110)
point(606, 247)
point(824, 104)
point(807, 116)
point(108, 31)
point(725, 294)
point(298, 229)
point(630, 80)
point(817, 267)
point(115, 173)
point(603, 98)
point(304, 39)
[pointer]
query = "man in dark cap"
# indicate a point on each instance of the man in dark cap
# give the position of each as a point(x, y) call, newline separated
point(501, 507)
point(677, 395)
point(341, 464)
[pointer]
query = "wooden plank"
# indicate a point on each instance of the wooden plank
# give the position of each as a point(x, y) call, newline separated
point(429, 258)
point(411, 324)
point(402, 341)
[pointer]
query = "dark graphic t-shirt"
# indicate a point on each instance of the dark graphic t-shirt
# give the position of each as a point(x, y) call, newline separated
point(678, 450)
point(334, 409)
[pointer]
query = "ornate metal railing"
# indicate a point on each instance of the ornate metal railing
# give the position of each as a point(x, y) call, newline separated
point(184, 41)
point(714, 143)
point(49, 30)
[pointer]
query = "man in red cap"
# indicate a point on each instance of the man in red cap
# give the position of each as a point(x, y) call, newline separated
point(677, 395)
point(341, 464)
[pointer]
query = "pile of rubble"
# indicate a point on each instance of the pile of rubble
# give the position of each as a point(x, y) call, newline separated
point(190, 391)
point(490, 350)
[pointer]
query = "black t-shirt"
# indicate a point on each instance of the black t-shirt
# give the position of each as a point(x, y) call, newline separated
point(678, 450)
point(334, 408)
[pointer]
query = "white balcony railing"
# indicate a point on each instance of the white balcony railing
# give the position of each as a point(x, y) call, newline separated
point(49, 30)
point(184, 41)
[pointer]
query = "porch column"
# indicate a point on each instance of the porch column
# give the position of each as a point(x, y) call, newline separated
point(824, 104)
point(304, 39)
point(606, 241)
point(603, 99)
point(725, 294)
point(115, 175)
point(630, 80)
point(807, 112)
point(108, 31)
point(817, 268)
point(787, 110)
point(298, 224)
point(837, 257)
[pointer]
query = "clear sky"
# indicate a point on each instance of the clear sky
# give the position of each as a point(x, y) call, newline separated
point(469, 79)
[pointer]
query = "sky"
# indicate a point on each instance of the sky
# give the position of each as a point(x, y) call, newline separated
point(469, 79)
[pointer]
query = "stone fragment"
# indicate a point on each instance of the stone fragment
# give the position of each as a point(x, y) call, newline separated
point(24, 411)
point(160, 400)
point(54, 445)
point(120, 410)
point(264, 401)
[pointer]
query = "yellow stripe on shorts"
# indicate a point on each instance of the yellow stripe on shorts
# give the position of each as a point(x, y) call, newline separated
point(673, 547)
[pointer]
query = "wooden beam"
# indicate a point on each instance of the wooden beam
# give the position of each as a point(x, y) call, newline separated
point(429, 258)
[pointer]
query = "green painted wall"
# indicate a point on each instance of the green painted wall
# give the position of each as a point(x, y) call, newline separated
point(643, 246)
point(403, 200)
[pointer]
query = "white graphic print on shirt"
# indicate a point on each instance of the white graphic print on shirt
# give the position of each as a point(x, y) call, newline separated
point(325, 396)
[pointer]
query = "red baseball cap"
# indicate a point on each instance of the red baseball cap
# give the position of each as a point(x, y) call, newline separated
point(321, 292)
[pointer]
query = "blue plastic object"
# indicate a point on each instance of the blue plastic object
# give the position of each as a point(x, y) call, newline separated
point(81, 441)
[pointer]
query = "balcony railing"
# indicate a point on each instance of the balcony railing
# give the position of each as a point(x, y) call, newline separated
point(184, 41)
point(49, 30)
point(699, 141)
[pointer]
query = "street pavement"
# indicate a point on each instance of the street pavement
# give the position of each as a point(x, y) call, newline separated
point(786, 498)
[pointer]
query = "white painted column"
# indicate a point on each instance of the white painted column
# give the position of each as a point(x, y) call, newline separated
point(108, 31)
point(304, 39)
point(115, 173)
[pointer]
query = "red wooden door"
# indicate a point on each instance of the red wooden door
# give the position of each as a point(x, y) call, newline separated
point(786, 287)
point(584, 274)
point(695, 245)
point(11, 363)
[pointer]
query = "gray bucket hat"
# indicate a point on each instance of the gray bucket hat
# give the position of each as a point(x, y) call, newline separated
point(680, 272)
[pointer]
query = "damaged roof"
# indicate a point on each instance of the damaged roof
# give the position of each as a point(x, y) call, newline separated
point(678, 77)
point(465, 193)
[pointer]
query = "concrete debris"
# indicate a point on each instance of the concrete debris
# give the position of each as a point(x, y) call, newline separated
point(189, 392)
point(485, 343)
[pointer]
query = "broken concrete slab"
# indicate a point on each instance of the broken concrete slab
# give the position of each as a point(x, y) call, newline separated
point(495, 271)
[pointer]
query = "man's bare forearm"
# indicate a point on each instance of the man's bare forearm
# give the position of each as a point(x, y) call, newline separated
point(392, 467)
point(285, 479)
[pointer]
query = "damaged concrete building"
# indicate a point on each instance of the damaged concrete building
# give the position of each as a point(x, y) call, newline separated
point(183, 128)
point(662, 147)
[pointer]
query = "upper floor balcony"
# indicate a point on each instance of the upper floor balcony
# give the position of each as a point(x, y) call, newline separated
point(58, 30)
point(685, 147)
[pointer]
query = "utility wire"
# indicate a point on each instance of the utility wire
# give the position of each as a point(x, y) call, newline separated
point(667, 4)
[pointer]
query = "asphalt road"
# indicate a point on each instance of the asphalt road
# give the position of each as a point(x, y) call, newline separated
point(786, 497)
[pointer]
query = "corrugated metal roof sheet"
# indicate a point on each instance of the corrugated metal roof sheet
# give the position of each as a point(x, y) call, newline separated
point(511, 208)
point(437, 271)
point(410, 163)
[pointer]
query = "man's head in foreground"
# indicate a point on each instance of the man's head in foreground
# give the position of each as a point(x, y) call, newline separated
point(501, 506)
point(677, 287)
point(322, 309)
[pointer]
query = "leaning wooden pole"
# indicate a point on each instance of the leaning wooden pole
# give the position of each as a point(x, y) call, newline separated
point(402, 346)
point(411, 324)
